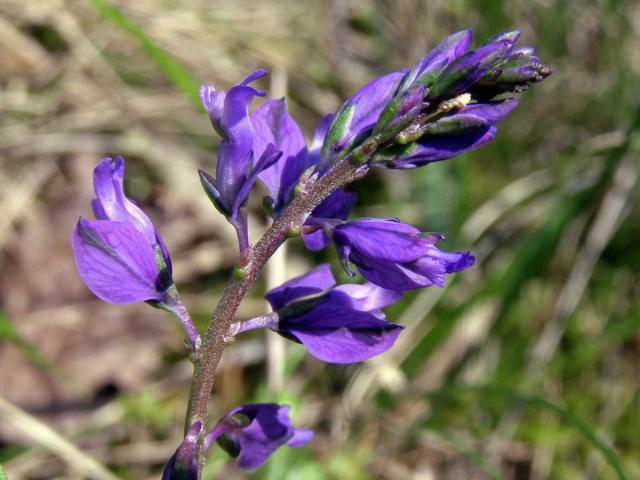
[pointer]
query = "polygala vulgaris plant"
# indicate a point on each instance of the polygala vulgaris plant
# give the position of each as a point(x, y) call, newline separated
point(447, 104)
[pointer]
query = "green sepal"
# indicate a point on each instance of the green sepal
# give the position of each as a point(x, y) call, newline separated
point(164, 276)
point(209, 186)
point(338, 128)
point(454, 125)
point(452, 76)
point(393, 152)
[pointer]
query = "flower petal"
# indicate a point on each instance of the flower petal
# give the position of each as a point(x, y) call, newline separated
point(357, 116)
point(427, 271)
point(386, 239)
point(273, 125)
point(115, 261)
point(335, 334)
point(429, 66)
point(366, 298)
point(112, 204)
point(316, 281)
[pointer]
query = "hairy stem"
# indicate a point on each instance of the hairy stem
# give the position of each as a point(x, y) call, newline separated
point(215, 338)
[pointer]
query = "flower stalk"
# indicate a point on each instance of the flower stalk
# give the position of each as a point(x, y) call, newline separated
point(216, 336)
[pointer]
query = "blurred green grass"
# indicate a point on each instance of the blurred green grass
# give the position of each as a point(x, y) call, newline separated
point(524, 367)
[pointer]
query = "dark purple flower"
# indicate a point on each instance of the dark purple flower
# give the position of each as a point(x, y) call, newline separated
point(238, 166)
point(464, 129)
point(459, 110)
point(183, 464)
point(341, 325)
point(253, 432)
point(273, 126)
point(394, 255)
point(120, 256)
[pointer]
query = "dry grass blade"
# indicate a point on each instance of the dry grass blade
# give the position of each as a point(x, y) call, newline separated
point(607, 220)
point(52, 441)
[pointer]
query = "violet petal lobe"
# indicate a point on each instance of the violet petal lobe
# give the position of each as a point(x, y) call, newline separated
point(429, 66)
point(273, 125)
point(235, 150)
point(386, 239)
point(319, 135)
point(468, 69)
point(315, 241)
point(270, 156)
point(260, 429)
point(366, 298)
point(429, 270)
point(336, 206)
point(315, 281)
point(334, 333)
point(112, 204)
point(115, 261)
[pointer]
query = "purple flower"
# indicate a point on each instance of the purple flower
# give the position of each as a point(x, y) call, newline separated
point(355, 119)
point(459, 111)
point(394, 255)
point(462, 130)
point(183, 464)
point(120, 256)
point(274, 127)
point(341, 325)
point(253, 432)
point(238, 166)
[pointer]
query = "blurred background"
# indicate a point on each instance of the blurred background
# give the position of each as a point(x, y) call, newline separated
point(525, 367)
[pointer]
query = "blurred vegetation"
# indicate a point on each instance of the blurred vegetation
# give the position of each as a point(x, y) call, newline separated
point(525, 367)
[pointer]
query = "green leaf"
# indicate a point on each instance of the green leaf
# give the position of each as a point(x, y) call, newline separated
point(3, 475)
point(175, 73)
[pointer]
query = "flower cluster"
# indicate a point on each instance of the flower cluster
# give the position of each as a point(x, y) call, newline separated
point(447, 104)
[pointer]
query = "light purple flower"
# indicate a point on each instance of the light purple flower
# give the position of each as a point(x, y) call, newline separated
point(120, 256)
point(340, 325)
point(253, 432)
point(238, 167)
point(273, 126)
point(394, 255)
point(458, 113)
